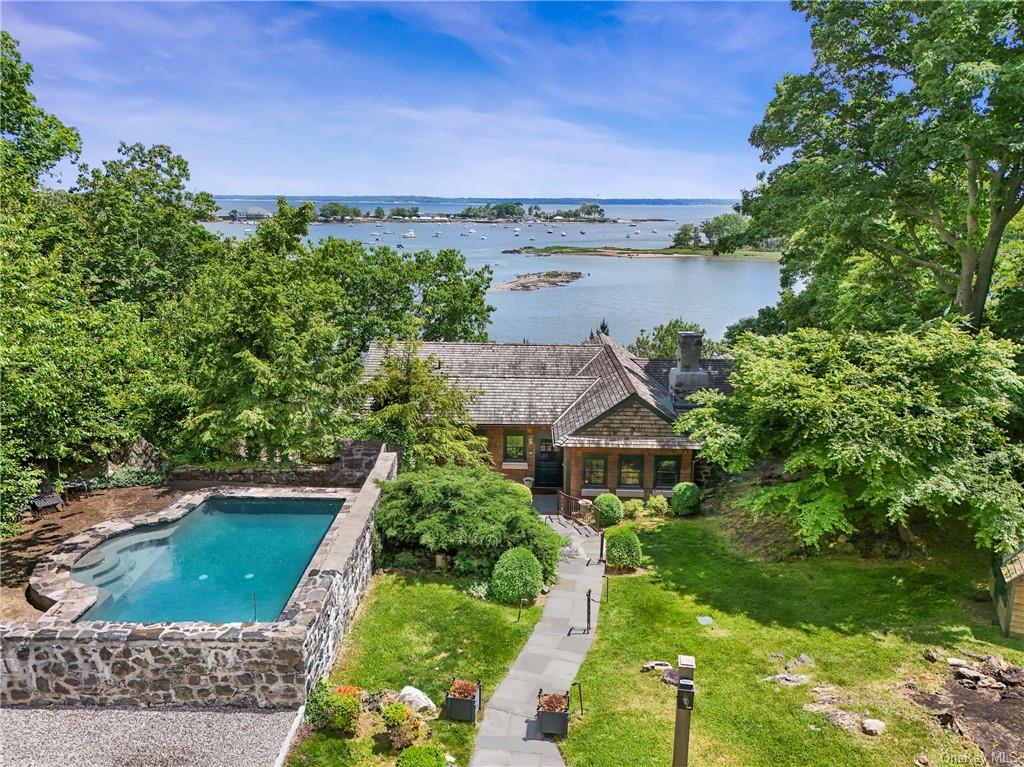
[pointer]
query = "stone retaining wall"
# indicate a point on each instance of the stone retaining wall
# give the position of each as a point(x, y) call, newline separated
point(355, 462)
point(264, 665)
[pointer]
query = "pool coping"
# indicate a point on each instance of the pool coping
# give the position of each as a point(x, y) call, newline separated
point(53, 583)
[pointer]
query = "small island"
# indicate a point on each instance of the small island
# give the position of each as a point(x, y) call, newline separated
point(537, 280)
point(609, 251)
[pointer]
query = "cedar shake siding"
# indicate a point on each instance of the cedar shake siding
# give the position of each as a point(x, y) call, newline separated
point(557, 404)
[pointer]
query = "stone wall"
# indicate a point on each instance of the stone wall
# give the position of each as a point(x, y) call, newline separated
point(261, 665)
point(355, 461)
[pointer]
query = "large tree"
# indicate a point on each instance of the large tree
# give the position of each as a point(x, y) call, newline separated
point(903, 145)
point(417, 409)
point(873, 429)
point(663, 341)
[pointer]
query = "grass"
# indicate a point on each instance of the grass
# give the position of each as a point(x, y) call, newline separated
point(866, 623)
point(419, 631)
point(670, 251)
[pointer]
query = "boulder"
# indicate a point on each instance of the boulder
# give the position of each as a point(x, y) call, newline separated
point(872, 726)
point(957, 662)
point(417, 700)
point(933, 655)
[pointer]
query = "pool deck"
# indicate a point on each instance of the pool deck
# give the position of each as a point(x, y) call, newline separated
point(102, 737)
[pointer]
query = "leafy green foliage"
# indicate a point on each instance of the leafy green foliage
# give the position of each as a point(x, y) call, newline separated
point(317, 704)
point(663, 341)
point(415, 408)
point(145, 244)
point(127, 477)
point(525, 493)
point(256, 341)
point(632, 508)
point(609, 509)
point(517, 576)
point(19, 480)
point(657, 506)
point(687, 236)
point(622, 548)
point(394, 714)
point(874, 429)
point(463, 512)
point(421, 756)
point(685, 499)
point(336, 210)
point(502, 210)
point(723, 229)
point(902, 155)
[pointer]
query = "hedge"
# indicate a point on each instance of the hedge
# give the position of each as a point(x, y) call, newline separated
point(622, 548)
point(609, 510)
point(685, 499)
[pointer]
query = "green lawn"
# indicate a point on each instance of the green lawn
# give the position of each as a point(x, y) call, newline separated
point(866, 624)
point(420, 631)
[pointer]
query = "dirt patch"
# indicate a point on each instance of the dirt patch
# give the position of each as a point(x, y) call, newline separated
point(983, 701)
point(39, 537)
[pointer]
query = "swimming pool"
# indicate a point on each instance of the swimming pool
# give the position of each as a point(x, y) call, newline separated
point(229, 559)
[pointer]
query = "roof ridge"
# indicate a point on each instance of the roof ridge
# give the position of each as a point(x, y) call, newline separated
point(573, 404)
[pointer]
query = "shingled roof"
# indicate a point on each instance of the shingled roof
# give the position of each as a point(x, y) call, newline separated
point(566, 385)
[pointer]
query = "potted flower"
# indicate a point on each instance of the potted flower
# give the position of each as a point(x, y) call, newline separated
point(463, 700)
point(553, 713)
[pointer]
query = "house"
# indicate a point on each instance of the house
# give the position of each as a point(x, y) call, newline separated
point(1008, 592)
point(584, 419)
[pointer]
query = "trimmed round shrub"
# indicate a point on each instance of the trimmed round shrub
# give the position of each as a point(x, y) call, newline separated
point(421, 756)
point(685, 499)
point(524, 492)
point(632, 508)
point(657, 506)
point(609, 510)
point(622, 548)
point(516, 576)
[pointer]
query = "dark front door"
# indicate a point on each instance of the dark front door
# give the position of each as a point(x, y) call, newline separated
point(548, 470)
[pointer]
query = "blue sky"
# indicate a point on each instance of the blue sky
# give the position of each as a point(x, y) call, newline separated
point(488, 99)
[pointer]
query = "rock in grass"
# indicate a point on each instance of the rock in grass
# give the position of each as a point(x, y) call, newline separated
point(417, 700)
point(656, 665)
point(872, 726)
point(957, 662)
point(800, 660)
point(789, 680)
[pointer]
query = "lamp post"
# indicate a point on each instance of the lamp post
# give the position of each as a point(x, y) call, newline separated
point(685, 693)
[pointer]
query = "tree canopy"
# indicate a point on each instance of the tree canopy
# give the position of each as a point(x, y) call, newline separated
point(873, 429)
point(417, 410)
point(900, 152)
point(663, 341)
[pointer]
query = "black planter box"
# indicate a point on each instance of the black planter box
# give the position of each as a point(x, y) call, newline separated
point(553, 722)
point(463, 709)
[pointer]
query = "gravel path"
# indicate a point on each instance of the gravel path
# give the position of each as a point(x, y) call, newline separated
point(103, 737)
point(508, 735)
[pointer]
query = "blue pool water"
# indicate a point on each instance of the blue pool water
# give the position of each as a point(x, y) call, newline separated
point(229, 559)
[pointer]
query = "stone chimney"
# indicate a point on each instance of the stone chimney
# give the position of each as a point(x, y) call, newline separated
point(687, 376)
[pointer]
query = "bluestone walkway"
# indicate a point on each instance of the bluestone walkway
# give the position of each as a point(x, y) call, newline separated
point(508, 735)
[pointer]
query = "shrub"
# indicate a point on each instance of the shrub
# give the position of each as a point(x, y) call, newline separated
point(685, 499)
point(405, 734)
point(517, 576)
point(328, 709)
point(127, 477)
point(523, 492)
point(609, 510)
point(657, 506)
point(409, 560)
point(343, 714)
point(421, 756)
point(478, 589)
point(622, 548)
point(632, 508)
point(394, 714)
point(473, 515)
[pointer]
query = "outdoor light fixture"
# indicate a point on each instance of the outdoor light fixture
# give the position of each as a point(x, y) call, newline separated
point(684, 694)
